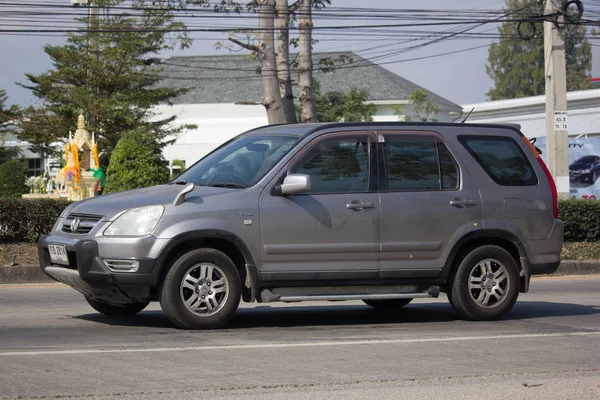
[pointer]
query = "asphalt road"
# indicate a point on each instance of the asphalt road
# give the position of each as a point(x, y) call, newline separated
point(52, 344)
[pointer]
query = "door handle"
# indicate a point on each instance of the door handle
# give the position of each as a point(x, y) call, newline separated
point(359, 206)
point(462, 202)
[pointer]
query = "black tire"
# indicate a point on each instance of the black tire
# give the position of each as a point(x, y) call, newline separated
point(387, 305)
point(117, 310)
point(463, 299)
point(172, 293)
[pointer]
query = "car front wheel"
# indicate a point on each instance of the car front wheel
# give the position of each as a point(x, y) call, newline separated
point(486, 284)
point(202, 290)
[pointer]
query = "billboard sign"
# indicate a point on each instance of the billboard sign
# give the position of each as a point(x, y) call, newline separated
point(584, 166)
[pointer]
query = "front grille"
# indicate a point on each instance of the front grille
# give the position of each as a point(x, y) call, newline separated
point(87, 222)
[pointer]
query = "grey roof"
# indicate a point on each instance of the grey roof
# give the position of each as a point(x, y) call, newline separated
point(235, 78)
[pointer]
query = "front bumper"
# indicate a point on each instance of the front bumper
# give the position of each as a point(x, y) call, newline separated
point(88, 274)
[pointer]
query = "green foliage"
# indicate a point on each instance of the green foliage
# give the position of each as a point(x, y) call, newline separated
point(110, 74)
point(582, 220)
point(337, 106)
point(517, 65)
point(7, 115)
point(423, 108)
point(12, 178)
point(181, 165)
point(136, 162)
point(26, 219)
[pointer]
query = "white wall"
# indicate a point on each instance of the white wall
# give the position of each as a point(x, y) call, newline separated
point(583, 109)
point(218, 123)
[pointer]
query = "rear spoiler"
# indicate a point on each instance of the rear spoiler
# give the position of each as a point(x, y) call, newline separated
point(518, 127)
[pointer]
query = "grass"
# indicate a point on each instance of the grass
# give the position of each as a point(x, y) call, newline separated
point(581, 251)
point(26, 253)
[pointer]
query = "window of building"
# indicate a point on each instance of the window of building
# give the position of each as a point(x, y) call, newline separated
point(34, 166)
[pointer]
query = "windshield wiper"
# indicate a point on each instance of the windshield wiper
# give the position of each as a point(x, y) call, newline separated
point(181, 182)
point(227, 185)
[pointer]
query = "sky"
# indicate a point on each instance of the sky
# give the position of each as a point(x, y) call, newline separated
point(459, 77)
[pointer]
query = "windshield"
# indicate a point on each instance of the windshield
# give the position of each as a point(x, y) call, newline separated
point(239, 163)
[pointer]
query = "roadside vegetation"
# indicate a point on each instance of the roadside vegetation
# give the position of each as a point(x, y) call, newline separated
point(19, 234)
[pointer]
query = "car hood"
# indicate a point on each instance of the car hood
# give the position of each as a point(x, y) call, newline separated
point(580, 165)
point(110, 205)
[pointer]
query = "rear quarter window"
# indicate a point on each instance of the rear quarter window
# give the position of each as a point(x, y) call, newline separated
point(502, 159)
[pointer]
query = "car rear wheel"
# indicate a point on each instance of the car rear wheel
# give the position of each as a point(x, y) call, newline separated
point(486, 284)
point(202, 290)
point(387, 305)
point(116, 310)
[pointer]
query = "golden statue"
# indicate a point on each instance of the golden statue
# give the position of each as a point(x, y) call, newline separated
point(81, 179)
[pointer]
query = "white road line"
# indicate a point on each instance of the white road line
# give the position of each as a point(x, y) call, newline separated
point(299, 344)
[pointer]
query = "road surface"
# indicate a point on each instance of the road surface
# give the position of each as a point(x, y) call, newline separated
point(52, 344)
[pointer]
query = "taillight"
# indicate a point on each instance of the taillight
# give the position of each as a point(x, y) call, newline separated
point(548, 176)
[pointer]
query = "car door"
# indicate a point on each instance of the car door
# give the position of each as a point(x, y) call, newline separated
point(428, 202)
point(330, 232)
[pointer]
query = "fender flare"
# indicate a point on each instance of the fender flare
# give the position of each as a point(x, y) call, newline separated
point(482, 234)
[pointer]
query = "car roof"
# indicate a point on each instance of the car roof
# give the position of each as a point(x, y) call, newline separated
point(304, 130)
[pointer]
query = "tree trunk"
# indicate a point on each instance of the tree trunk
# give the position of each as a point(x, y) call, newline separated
point(283, 60)
point(266, 26)
point(307, 103)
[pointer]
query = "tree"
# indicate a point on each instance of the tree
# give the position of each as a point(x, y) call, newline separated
point(284, 15)
point(347, 107)
point(282, 56)
point(265, 52)
point(177, 171)
point(12, 178)
point(423, 108)
point(109, 74)
point(305, 67)
point(517, 65)
point(136, 162)
point(7, 118)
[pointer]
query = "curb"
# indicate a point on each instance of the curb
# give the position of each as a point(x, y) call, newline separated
point(33, 273)
point(23, 274)
point(576, 267)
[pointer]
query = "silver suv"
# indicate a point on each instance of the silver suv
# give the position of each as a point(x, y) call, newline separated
point(381, 212)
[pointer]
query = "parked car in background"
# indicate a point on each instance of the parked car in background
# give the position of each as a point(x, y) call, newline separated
point(379, 212)
point(585, 169)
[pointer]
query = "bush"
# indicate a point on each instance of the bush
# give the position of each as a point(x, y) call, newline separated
point(12, 178)
point(136, 162)
point(582, 220)
point(26, 219)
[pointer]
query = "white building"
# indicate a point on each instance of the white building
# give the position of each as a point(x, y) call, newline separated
point(583, 108)
point(226, 91)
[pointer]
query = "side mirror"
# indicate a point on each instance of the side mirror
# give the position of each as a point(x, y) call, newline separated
point(294, 184)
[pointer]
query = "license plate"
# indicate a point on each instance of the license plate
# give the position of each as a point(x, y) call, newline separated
point(58, 254)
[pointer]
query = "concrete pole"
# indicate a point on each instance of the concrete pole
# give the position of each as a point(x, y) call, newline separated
point(557, 144)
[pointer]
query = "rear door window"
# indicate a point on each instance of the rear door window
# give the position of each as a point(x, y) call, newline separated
point(418, 165)
point(502, 159)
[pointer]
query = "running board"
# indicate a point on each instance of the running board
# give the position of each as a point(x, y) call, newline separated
point(267, 296)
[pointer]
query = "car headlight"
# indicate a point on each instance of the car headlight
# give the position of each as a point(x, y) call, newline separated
point(586, 171)
point(136, 222)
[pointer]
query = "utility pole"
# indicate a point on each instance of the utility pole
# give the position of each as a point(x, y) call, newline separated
point(557, 136)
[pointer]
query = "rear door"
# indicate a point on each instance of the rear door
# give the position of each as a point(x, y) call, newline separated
point(428, 201)
point(516, 198)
